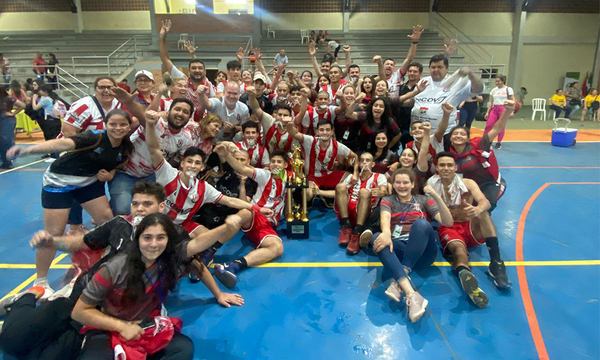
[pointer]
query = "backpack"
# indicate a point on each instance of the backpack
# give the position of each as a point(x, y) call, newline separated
point(595, 104)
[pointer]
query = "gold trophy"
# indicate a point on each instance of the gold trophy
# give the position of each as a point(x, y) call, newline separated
point(297, 220)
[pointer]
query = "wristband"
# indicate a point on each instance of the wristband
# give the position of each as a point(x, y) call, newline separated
point(415, 42)
point(255, 208)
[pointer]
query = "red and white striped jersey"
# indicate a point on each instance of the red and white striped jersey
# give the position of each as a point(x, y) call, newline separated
point(312, 118)
point(199, 111)
point(395, 83)
point(435, 147)
point(172, 145)
point(259, 156)
point(273, 138)
point(275, 99)
point(374, 181)
point(331, 92)
point(165, 104)
point(321, 161)
point(85, 115)
point(270, 193)
point(184, 200)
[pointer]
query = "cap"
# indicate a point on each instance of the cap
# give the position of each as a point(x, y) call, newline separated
point(260, 77)
point(145, 73)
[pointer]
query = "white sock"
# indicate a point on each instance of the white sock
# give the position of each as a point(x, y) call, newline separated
point(40, 280)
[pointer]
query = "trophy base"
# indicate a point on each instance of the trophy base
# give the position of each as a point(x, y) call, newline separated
point(297, 229)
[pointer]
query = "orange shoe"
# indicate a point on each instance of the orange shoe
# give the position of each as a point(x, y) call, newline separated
point(353, 247)
point(344, 238)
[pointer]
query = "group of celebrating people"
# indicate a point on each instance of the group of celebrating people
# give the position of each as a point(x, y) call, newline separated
point(189, 166)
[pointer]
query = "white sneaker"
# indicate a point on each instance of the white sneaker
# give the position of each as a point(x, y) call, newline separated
point(394, 291)
point(48, 291)
point(415, 304)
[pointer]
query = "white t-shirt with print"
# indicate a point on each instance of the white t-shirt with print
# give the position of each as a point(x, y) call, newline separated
point(236, 117)
point(500, 95)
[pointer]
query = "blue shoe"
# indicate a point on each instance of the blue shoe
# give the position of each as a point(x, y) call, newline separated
point(225, 274)
point(206, 257)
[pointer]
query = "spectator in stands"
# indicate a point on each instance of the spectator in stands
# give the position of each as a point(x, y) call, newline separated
point(558, 103)
point(5, 69)
point(220, 77)
point(144, 83)
point(233, 112)
point(522, 93)
point(123, 85)
point(197, 73)
point(52, 71)
point(8, 123)
point(428, 104)
point(53, 109)
point(573, 96)
point(498, 96)
point(40, 69)
point(591, 103)
point(280, 59)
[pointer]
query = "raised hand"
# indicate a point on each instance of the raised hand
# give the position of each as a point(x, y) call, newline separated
point(464, 71)
point(286, 120)
point(240, 53)
point(257, 54)
point(428, 190)
point(251, 91)
point(426, 126)
point(346, 48)
point(201, 90)
point(305, 92)
point(422, 85)
point(190, 47)
point(509, 105)
point(312, 50)
point(121, 94)
point(417, 31)
point(447, 108)
point(221, 150)
point(166, 27)
point(377, 58)
point(151, 117)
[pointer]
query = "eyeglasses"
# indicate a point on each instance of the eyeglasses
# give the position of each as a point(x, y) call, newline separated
point(143, 81)
point(102, 88)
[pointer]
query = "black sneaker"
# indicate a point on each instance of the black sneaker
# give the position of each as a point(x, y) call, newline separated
point(498, 146)
point(194, 278)
point(471, 286)
point(497, 271)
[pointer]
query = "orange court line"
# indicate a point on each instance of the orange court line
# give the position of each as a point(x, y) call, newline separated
point(524, 287)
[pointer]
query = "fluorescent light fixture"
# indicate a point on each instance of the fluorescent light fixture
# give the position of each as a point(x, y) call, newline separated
point(190, 1)
point(235, 1)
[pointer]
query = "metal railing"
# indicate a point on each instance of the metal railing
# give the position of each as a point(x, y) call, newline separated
point(246, 60)
point(126, 54)
point(466, 44)
point(64, 80)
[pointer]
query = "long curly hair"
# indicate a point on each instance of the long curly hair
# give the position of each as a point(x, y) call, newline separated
point(167, 261)
point(385, 117)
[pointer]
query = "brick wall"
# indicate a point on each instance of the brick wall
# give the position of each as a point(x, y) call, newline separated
point(115, 5)
point(476, 6)
point(33, 6)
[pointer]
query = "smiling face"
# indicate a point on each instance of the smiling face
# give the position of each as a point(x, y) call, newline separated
point(232, 94)
point(296, 97)
point(367, 84)
point(234, 74)
point(499, 82)
point(212, 129)
point(325, 66)
point(403, 186)
point(221, 77)
point(276, 164)
point(179, 89)
point(354, 73)
point(250, 135)
point(153, 242)
point(323, 81)
point(459, 137)
point(197, 71)
point(408, 159)
point(192, 165)
point(381, 88)
point(118, 127)
point(389, 66)
point(381, 140)
point(446, 167)
point(144, 84)
point(378, 109)
point(145, 204)
point(247, 77)
point(349, 94)
point(324, 132)
point(335, 74)
point(306, 78)
point(413, 74)
point(179, 115)
point(102, 91)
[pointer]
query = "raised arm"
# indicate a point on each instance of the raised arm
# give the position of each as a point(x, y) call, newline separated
point(476, 84)
point(380, 69)
point(312, 52)
point(439, 134)
point(303, 106)
point(287, 121)
point(253, 103)
point(202, 98)
point(347, 49)
point(152, 141)
point(155, 104)
point(259, 63)
point(423, 157)
point(444, 216)
point(223, 151)
point(191, 49)
point(277, 77)
point(240, 55)
point(415, 36)
point(350, 113)
point(421, 86)
point(163, 47)
point(509, 107)
point(136, 109)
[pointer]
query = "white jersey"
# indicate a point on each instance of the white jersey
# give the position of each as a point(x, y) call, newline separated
point(332, 99)
point(236, 117)
point(184, 200)
point(270, 192)
point(312, 118)
point(320, 162)
point(85, 115)
point(172, 145)
point(273, 138)
point(501, 95)
point(259, 156)
point(395, 83)
point(428, 104)
point(374, 181)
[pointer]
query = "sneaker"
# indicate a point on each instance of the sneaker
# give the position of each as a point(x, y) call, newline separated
point(207, 257)
point(48, 291)
point(498, 146)
point(365, 238)
point(470, 285)
point(497, 271)
point(394, 291)
point(353, 247)
point(194, 278)
point(37, 291)
point(415, 305)
point(344, 237)
point(225, 275)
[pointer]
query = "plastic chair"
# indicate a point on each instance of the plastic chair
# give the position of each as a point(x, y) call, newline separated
point(183, 38)
point(304, 35)
point(270, 30)
point(551, 112)
point(539, 105)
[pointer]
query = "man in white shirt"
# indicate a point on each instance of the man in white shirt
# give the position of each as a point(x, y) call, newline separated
point(232, 112)
point(428, 104)
point(280, 59)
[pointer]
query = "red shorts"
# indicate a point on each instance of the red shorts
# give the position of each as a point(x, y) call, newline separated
point(352, 212)
point(190, 226)
point(460, 231)
point(259, 230)
point(328, 182)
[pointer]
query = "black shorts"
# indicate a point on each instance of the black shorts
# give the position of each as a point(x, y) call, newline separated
point(493, 192)
point(54, 198)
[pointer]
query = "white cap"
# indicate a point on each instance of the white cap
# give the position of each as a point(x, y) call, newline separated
point(145, 73)
point(260, 76)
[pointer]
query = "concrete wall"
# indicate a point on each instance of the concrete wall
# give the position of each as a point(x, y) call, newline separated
point(92, 21)
point(299, 21)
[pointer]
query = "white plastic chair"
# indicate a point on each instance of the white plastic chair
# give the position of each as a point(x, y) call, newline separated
point(539, 104)
point(304, 35)
point(183, 38)
point(270, 30)
point(550, 111)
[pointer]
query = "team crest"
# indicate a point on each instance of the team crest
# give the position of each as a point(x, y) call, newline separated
point(194, 198)
point(423, 110)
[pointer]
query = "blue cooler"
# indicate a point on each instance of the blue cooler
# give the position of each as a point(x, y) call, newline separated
point(563, 136)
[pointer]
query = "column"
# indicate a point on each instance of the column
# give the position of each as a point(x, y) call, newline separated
point(431, 25)
point(78, 17)
point(516, 47)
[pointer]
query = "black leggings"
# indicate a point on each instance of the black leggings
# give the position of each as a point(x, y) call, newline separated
point(97, 347)
point(41, 333)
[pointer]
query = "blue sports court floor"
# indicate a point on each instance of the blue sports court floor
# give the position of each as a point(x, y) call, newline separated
point(318, 303)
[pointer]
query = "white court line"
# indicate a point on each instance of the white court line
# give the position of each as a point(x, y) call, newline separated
point(22, 166)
